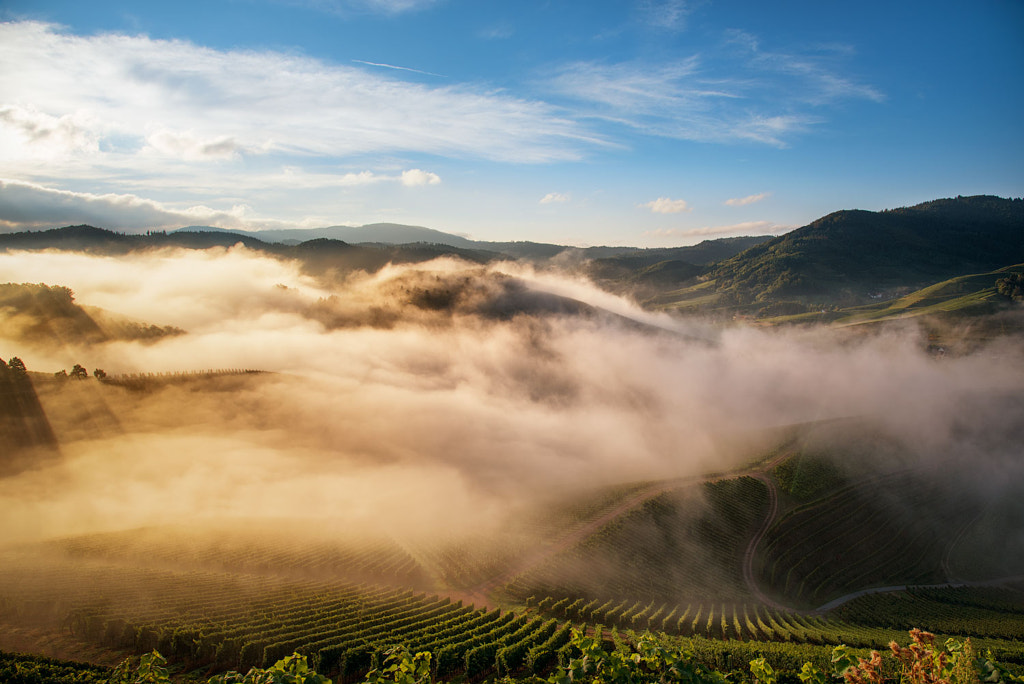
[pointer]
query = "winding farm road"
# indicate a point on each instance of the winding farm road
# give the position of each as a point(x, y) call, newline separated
point(947, 557)
point(578, 534)
point(748, 555)
point(836, 602)
point(480, 594)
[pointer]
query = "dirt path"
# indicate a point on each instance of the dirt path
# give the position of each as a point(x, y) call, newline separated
point(481, 594)
point(947, 556)
point(764, 474)
point(748, 554)
point(761, 471)
point(836, 602)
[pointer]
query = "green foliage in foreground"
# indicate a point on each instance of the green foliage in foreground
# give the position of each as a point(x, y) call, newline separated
point(650, 661)
point(19, 668)
point(152, 669)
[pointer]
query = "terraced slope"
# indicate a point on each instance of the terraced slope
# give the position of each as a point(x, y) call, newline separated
point(236, 621)
point(883, 531)
point(261, 550)
point(685, 542)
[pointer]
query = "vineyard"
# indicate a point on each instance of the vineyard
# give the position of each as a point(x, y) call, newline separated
point(233, 620)
point(229, 551)
point(783, 559)
point(684, 542)
point(876, 533)
point(224, 620)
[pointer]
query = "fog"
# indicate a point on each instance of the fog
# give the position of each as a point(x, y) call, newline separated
point(443, 398)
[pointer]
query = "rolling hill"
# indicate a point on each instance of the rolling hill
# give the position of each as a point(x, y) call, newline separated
point(848, 266)
point(849, 257)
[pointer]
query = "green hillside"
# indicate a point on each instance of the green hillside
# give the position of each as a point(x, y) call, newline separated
point(968, 295)
point(850, 257)
point(49, 316)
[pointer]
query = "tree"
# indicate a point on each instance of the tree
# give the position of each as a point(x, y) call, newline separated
point(79, 372)
point(99, 373)
point(16, 364)
point(1012, 286)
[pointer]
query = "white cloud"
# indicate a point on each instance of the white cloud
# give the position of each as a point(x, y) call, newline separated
point(416, 177)
point(186, 145)
point(115, 97)
point(749, 199)
point(554, 198)
point(26, 130)
point(664, 205)
point(28, 205)
point(361, 178)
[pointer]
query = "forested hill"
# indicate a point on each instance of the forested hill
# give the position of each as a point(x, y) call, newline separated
point(864, 251)
point(327, 254)
point(318, 256)
point(846, 258)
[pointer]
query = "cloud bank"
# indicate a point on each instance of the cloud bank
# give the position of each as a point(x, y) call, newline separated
point(31, 206)
point(463, 392)
point(25, 206)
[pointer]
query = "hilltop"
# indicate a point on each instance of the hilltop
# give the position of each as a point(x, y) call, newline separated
point(853, 256)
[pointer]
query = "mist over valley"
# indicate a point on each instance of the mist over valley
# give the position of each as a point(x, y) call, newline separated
point(538, 433)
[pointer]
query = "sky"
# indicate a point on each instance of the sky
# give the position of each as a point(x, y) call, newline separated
point(637, 122)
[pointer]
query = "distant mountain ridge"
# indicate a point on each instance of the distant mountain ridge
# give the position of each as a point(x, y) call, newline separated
point(386, 236)
point(845, 259)
point(387, 233)
point(851, 256)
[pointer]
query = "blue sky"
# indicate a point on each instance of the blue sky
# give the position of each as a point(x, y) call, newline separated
point(641, 122)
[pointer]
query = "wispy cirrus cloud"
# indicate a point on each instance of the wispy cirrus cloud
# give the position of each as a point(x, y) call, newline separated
point(347, 7)
point(501, 31)
point(397, 68)
point(814, 74)
point(737, 92)
point(678, 100)
point(749, 199)
point(665, 14)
